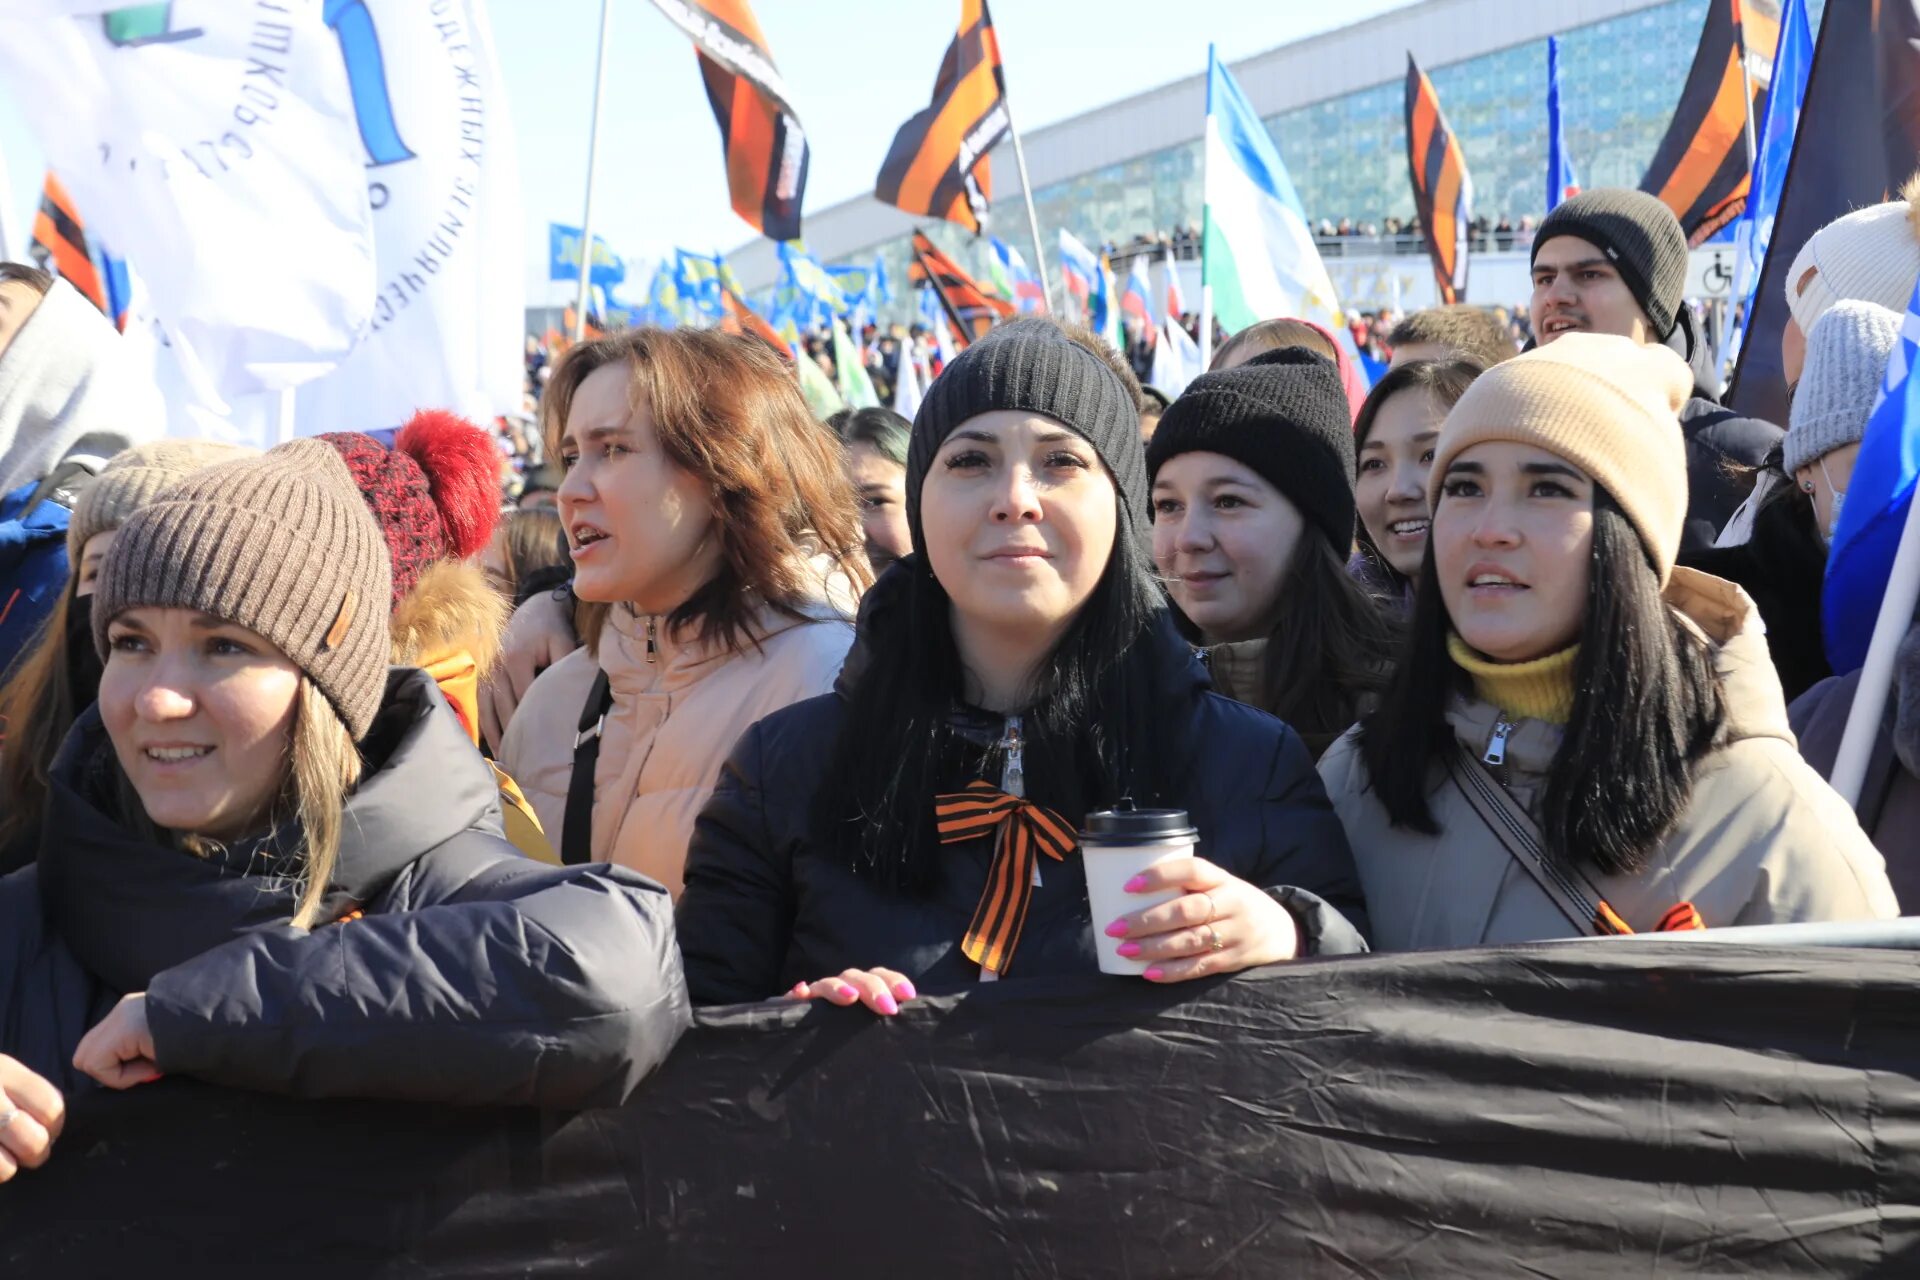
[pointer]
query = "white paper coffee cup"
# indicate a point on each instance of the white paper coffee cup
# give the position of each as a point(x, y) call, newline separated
point(1118, 845)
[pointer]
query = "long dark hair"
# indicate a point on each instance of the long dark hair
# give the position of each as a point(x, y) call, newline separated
point(1646, 708)
point(1089, 729)
point(1331, 649)
point(1446, 381)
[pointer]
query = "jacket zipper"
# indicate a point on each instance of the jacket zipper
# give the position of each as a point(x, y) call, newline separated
point(653, 648)
point(1013, 775)
point(1496, 753)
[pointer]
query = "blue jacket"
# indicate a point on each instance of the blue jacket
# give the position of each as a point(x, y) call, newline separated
point(765, 906)
point(475, 975)
point(33, 567)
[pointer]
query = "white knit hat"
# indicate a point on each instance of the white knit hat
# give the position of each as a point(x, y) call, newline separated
point(1871, 254)
point(1846, 358)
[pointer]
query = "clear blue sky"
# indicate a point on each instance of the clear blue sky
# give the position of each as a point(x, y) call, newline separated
point(856, 70)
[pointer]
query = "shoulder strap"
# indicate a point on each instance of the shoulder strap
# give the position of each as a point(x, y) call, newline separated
point(1513, 826)
point(576, 829)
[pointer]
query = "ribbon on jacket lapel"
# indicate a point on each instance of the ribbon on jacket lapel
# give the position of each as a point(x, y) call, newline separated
point(1022, 831)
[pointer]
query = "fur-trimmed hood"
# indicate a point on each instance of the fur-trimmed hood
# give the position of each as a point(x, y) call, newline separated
point(452, 608)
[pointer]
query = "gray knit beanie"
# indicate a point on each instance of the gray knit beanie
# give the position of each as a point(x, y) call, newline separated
point(1640, 237)
point(1032, 365)
point(1847, 356)
point(133, 478)
point(282, 544)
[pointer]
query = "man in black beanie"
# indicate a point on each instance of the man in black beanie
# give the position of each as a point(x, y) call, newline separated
point(1615, 261)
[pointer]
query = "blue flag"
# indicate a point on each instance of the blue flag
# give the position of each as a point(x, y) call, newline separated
point(1561, 182)
point(1875, 511)
point(1786, 91)
point(563, 257)
point(882, 287)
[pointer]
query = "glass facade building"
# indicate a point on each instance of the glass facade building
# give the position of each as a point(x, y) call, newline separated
point(1620, 81)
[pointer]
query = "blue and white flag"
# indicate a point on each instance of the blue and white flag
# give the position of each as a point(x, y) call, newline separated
point(1561, 180)
point(563, 257)
point(1080, 279)
point(1786, 92)
point(1875, 511)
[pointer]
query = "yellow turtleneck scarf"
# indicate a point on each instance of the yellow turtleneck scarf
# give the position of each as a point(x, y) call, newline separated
point(1538, 690)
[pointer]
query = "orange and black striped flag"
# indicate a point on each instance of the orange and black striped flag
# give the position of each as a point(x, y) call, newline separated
point(739, 318)
point(972, 307)
point(765, 147)
point(938, 162)
point(1442, 191)
point(1701, 169)
point(60, 244)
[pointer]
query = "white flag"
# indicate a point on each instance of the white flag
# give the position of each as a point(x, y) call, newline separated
point(1176, 360)
point(213, 145)
point(449, 314)
point(907, 392)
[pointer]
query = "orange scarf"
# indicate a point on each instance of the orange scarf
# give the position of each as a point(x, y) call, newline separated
point(1022, 831)
point(459, 679)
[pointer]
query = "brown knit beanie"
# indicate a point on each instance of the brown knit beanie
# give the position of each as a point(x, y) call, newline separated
point(1607, 405)
point(133, 478)
point(282, 544)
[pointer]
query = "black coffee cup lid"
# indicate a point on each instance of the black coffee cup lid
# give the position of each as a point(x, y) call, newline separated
point(1128, 825)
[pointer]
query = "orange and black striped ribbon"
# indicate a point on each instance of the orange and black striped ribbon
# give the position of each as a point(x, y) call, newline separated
point(741, 319)
point(972, 308)
point(1022, 831)
point(1679, 918)
point(1700, 169)
point(937, 164)
point(766, 149)
point(1441, 189)
point(60, 242)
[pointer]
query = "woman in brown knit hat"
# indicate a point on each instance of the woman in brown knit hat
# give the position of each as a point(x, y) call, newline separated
point(246, 883)
point(1581, 738)
point(59, 675)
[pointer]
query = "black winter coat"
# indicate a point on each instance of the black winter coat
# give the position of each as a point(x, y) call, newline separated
point(765, 907)
point(1721, 444)
point(474, 976)
point(1783, 566)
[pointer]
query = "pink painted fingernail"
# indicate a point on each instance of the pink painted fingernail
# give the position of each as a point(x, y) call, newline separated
point(886, 1004)
point(1118, 929)
point(1134, 885)
point(1129, 949)
point(846, 992)
point(1155, 974)
point(904, 989)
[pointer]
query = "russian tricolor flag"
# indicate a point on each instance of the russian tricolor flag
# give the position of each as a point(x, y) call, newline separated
point(1136, 300)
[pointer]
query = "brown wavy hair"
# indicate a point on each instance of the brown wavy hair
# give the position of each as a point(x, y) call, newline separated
point(727, 410)
point(36, 710)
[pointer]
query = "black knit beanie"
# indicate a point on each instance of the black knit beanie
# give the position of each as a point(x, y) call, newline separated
point(1033, 366)
point(1639, 235)
point(1284, 414)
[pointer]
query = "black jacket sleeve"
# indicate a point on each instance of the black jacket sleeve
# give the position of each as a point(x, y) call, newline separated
point(1308, 867)
point(515, 982)
point(736, 911)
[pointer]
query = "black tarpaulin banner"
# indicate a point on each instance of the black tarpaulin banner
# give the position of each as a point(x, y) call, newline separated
point(1616, 1108)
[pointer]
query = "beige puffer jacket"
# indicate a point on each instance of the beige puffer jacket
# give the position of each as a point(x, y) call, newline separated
point(677, 712)
point(1764, 840)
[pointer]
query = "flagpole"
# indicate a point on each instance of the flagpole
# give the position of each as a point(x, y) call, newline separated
point(1205, 337)
point(1746, 90)
point(593, 162)
point(1026, 192)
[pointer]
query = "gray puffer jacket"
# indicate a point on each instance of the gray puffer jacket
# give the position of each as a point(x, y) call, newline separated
point(473, 975)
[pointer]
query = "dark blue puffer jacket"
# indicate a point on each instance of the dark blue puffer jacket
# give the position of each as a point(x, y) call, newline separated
point(475, 975)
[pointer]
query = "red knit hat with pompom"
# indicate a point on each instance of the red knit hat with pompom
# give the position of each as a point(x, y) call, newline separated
point(436, 493)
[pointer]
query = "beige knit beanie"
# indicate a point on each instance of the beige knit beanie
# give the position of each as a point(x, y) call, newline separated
point(1871, 255)
point(1607, 405)
point(134, 477)
point(282, 544)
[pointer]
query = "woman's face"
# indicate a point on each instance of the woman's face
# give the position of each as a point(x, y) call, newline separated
point(1019, 515)
point(92, 556)
point(200, 712)
point(641, 528)
point(1223, 539)
point(1391, 487)
point(881, 486)
point(1512, 542)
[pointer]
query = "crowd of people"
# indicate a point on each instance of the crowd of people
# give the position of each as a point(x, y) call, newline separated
point(327, 771)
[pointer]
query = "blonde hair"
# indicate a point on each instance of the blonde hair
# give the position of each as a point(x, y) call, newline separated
point(323, 768)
